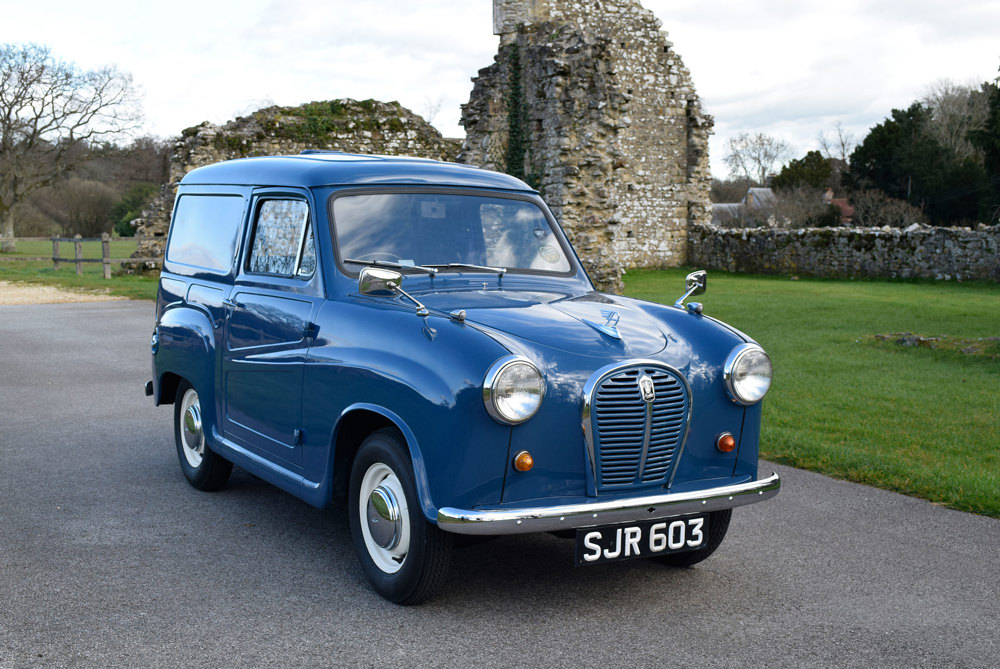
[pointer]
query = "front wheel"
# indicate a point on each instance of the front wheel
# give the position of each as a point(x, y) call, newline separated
point(404, 556)
point(203, 468)
point(718, 525)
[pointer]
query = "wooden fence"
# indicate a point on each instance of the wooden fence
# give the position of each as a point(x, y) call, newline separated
point(78, 259)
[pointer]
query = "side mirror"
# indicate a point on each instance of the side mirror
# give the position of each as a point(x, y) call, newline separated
point(696, 283)
point(379, 282)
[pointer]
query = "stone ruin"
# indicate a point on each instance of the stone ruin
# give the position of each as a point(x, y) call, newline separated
point(366, 126)
point(588, 102)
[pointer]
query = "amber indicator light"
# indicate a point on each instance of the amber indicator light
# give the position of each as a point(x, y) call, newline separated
point(523, 461)
point(725, 442)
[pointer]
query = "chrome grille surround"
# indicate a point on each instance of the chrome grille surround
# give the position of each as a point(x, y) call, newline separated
point(632, 443)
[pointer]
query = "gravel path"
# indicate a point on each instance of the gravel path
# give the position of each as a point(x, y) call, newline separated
point(108, 558)
point(26, 293)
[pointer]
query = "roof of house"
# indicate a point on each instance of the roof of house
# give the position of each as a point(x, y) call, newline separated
point(846, 210)
point(759, 197)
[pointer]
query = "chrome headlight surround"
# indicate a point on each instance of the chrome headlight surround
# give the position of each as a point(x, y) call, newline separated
point(748, 374)
point(513, 390)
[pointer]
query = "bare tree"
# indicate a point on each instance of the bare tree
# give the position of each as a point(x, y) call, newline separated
point(802, 207)
point(755, 156)
point(79, 206)
point(955, 110)
point(53, 116)
point(839, 145)
point(729, 190)
point(875, 209)
point(432, 108)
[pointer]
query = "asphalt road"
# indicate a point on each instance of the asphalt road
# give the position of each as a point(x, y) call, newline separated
point(109, 559)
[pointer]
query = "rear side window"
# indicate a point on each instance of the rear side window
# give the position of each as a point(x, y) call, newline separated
point(205, 230)
point(282, 240)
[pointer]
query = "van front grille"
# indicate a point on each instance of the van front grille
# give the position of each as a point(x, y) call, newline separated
point(635, 441)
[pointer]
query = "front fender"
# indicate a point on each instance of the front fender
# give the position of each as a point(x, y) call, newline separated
point(430, 372)
point(412, 444)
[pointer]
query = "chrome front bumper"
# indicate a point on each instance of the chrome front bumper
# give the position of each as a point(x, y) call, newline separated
point(572, 516)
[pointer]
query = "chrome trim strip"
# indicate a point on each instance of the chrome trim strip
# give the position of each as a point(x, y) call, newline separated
point(302, 242)
point(572, 516)
point(590, 387)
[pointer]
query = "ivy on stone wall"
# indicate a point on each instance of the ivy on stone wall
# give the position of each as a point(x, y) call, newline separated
point(518, 132)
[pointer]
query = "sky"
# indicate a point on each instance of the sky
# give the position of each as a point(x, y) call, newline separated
point(789, 68)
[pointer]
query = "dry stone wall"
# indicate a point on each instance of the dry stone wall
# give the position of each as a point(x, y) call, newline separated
point(366, 126)
point(588, 102)
point(918, 251)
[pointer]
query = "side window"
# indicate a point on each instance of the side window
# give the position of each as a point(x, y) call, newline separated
point(204, 231)
point(283, 240)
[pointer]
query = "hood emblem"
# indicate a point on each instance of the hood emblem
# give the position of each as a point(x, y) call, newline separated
point(610, 325)
point(647, 388)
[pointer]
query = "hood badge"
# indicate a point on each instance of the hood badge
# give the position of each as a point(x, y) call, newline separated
point(610, 325)
point(647, 388)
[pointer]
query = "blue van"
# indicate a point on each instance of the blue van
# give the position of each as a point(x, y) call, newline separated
point(419, 338)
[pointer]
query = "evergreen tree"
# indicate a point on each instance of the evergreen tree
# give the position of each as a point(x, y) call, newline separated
point(902, 158)
point(987, 140)
point(811, 170)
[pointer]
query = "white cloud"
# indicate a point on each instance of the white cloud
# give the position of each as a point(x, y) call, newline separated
point(787, 67)
point(792, 69)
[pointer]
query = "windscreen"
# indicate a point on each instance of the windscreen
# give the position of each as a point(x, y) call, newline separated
point(435, 229)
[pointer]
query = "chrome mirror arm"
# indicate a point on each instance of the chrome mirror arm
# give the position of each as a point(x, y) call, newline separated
point(680, 300)
point(380, 282)
point(421, 309)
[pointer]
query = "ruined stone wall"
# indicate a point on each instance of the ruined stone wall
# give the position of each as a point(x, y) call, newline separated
point(352, 126)
point(918, 251)
point(588, 103)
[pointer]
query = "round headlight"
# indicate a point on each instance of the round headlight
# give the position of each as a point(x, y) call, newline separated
point(748, 373)
point(512, 390)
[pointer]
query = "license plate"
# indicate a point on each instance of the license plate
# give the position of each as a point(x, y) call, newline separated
point(640, 539)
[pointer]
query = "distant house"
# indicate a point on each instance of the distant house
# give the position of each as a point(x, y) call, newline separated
point(758, 208)
point(726, 213)
point(841, 203)
point(758, 198)
point(755, 199)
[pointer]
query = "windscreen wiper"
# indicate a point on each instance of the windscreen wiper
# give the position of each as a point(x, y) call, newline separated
point(499, 271)
point(394, 265)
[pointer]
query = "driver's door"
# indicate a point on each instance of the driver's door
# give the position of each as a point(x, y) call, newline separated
point(269, 329)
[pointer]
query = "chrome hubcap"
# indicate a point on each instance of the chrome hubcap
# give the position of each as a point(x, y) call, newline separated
point(385, 518)
point(192, 424)
point(192, 430)
point(384, 523)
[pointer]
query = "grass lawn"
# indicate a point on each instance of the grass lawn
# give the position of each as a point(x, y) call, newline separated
point(92, 279)
point(922, 420)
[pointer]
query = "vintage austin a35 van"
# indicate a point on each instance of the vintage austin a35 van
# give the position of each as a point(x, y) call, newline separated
point(420, 338)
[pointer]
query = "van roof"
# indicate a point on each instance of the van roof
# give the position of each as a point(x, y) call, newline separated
point(332, 168)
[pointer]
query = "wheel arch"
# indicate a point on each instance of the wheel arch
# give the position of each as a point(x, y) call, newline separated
point(169, 382)
point(185, 350)
point(358, 421)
